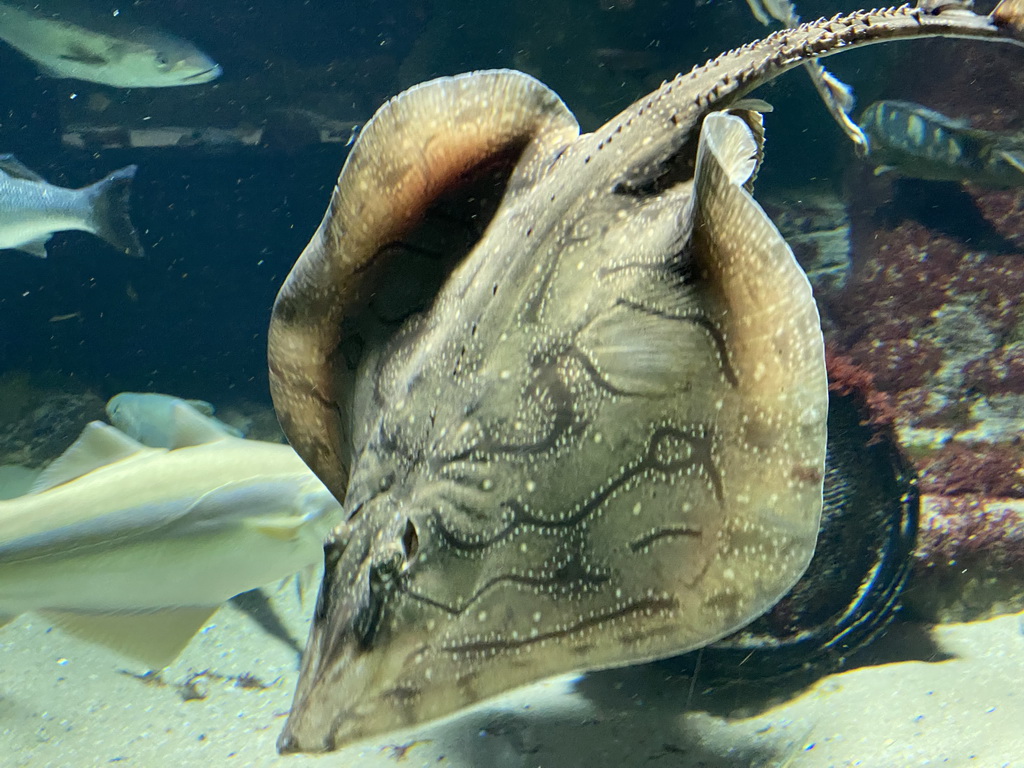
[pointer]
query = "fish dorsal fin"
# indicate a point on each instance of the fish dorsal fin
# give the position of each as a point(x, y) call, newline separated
point(205, 408)
point(16, 480)
point(35, 247)
point(12, 166)
point(889, 109)
point(153, 637)
point(98, 445)
point(190, 427)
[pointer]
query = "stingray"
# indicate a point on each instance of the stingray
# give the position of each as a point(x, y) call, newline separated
point(570, 388)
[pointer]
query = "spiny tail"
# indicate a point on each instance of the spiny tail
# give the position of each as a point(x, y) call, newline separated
point(108, 200)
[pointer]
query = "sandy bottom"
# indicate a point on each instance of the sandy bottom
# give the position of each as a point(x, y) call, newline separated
point(66, 703)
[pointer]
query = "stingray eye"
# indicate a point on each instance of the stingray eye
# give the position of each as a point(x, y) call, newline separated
point(410, 540)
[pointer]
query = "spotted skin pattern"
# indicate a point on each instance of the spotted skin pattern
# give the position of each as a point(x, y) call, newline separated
point(596, 436)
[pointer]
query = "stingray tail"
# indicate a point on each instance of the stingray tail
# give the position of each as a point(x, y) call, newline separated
point(108, 200)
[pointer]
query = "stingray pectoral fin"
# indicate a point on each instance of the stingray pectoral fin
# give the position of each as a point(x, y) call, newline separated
point(774, 418)
point(153, 637)
point(418, 146)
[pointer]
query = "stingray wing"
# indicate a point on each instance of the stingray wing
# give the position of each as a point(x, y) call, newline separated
point(429, 141)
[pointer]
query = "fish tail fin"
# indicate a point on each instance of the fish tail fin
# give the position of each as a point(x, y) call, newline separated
point(110, 220)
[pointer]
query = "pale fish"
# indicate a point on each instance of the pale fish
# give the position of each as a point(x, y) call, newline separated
point(31, 209)
point(112, 51)
point(157, 420)
point(135, 547)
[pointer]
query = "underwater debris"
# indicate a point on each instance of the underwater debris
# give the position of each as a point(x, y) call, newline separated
point(149, 677)
point(189, 688)
point(399, 752)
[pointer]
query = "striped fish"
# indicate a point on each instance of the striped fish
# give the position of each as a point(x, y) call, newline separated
point(913, 140)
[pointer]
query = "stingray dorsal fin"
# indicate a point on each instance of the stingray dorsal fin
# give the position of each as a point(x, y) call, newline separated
point(12, 166)
point(98, 445)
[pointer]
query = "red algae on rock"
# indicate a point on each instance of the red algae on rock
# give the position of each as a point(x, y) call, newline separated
point(987, 470)
point(969, 562)
point(846, 377)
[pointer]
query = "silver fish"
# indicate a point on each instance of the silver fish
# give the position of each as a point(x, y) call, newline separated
point(912, 140)
point(589, 433)
point(135, 547)
point(31, 209)
point(107, 51)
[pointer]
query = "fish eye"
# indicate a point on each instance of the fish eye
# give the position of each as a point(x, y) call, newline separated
point(162, 61)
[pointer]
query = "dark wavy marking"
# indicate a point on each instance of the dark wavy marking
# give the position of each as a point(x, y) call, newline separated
point(559, 577)
point(664, 533)
point(701, 457)
point(701, 322)
point(563, 420)
point(595, 376)
point(486, 646)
